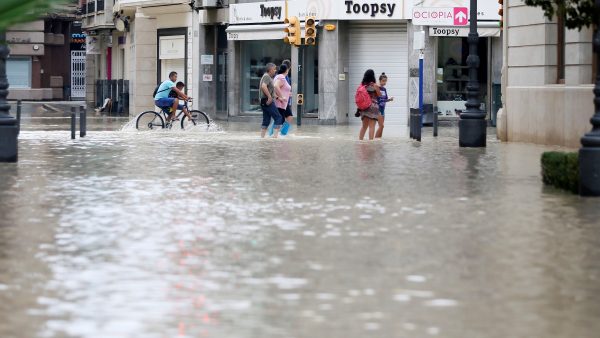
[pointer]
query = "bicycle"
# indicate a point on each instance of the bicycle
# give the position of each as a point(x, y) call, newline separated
point(151, 120)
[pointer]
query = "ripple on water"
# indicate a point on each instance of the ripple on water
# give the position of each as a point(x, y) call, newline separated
point(441, 303)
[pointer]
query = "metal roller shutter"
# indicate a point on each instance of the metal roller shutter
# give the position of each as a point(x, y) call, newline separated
point(383, 48)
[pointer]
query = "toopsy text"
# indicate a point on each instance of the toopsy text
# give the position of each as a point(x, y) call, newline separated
point(373, 8)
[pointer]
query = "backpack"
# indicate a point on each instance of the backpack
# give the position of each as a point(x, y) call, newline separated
point(156, 90)
point(362, 98)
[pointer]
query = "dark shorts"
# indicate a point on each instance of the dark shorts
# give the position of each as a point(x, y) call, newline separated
point(270, 112)
point(285, 112)
point(288, 111)
point(164, 102)
point(382, 111)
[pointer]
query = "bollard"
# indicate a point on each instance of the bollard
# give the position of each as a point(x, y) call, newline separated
point(411, 124)
point(418, 125)
point(82, 121)
point(73, 122)
point(415, 124)
point(435, 124)
point(18, 117)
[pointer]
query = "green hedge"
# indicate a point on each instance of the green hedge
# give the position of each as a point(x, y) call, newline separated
point(561, 170)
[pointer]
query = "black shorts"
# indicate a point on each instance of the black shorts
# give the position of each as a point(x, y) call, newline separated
point(286, 112)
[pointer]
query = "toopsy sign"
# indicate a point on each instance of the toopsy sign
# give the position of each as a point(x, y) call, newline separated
point(274, 11)
point(370, 9)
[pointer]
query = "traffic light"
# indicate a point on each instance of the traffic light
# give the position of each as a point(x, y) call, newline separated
point(501, 13)
point(310, 31)
point(294, 35)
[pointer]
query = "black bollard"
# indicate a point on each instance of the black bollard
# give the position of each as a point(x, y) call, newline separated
point(73, 122)
point(415, 124)
point(418, 127)
point(82, 121)
point(18, 116)
point(411, 124)
point(435, 124)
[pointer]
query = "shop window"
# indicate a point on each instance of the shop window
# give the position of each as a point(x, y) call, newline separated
point(255, 56)
point(18, 72)
point(453, 74)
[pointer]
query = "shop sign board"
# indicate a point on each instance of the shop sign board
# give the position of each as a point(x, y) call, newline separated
point(439, 16)
point(257, 12)
point(207, 59)
point(172, 47)
point(463, 31)
point(274, 11)
point(487, 10)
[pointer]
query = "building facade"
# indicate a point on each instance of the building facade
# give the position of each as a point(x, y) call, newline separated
point(220, 49)
point(131, 46)
point(547, 79)
point(38, 67)
point(236, 42)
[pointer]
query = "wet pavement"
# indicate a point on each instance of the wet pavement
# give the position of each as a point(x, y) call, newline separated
point(222, 234)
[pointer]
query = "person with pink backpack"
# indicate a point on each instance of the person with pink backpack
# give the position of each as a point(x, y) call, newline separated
point(367, 103)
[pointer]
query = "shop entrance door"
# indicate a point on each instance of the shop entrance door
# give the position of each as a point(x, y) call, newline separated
point(310, 81)
point(222, 82)
point(77, 74)
point(222, 106)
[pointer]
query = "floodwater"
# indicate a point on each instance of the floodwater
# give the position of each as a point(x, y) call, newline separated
point(222, 234)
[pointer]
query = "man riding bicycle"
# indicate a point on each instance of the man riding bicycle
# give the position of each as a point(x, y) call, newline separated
point(162, 99)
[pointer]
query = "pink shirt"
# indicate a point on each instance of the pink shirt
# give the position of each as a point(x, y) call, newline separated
point(285, 90)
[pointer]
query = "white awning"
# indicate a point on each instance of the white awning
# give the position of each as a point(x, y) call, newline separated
point(463, 31)
point(259, 32)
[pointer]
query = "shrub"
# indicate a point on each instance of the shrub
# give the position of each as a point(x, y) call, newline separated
point(561, 170)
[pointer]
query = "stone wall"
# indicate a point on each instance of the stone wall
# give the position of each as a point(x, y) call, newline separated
point(143, 68)
point(333, 61)
point(538, 109)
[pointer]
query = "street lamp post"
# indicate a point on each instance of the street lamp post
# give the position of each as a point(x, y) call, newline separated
point(472, 125)
point(8, 124)
point(589, 154)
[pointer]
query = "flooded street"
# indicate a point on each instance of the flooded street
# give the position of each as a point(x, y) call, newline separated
point(222, 234)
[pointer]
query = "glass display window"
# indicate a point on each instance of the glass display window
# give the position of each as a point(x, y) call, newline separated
point(255, 56)
point(452, 73)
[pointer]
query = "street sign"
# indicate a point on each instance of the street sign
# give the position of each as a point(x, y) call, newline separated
point(461, 16)
point(440, 16)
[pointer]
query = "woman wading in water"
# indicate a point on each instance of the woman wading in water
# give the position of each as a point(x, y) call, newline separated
point(370, 115)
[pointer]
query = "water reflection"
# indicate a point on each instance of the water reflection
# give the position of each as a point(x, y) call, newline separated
point(221, 234)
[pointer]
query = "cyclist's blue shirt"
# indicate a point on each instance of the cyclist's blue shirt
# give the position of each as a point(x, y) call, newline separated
point(164, 89)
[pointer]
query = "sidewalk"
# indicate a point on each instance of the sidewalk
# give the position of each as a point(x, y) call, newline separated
point(50, 108)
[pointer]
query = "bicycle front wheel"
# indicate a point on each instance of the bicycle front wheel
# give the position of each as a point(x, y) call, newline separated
point(149, 120)
point(199, 119)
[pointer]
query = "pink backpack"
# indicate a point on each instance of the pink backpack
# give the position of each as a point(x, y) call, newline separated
point(362, 98)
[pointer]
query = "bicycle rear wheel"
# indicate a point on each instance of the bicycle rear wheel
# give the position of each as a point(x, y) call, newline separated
point(199, 119)
point(149, 120)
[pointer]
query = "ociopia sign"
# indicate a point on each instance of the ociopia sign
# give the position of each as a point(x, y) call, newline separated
point(435, 16)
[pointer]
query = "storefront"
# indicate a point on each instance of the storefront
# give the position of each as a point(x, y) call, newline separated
point(448, 49)
point(361, 36)
point(452, 71)
point(382, 47)
point(257, 32)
